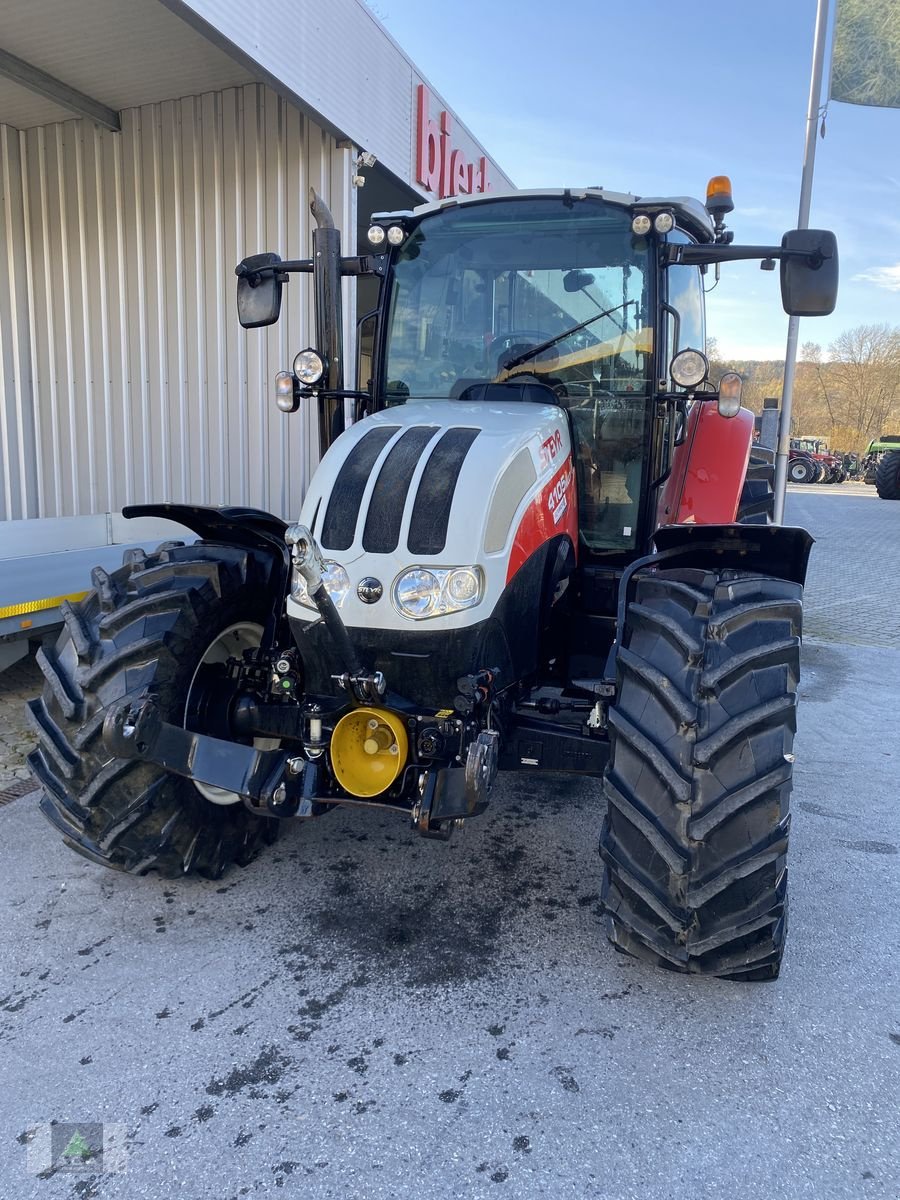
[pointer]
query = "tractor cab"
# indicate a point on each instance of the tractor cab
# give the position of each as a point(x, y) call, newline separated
point(538, 298)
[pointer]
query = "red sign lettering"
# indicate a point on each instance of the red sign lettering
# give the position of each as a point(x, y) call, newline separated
point(550, 448)
point(442, 167)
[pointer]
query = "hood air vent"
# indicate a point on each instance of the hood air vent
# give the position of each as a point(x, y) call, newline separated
point(434, 499)
point(385, 516)
point(345, 501)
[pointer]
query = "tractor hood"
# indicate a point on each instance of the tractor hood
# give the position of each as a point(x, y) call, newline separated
point(438, 484)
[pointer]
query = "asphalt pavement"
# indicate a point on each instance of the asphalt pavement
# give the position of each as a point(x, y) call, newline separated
point(363, 1014)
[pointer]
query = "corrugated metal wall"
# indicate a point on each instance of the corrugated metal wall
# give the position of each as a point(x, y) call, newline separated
point(125, 374)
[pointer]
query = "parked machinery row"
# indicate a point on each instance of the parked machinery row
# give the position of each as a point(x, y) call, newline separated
point(812, 462)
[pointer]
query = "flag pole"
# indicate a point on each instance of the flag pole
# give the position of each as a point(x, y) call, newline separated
point(806, 180)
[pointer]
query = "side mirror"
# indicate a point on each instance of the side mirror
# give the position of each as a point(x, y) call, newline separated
point(258, 290)
point(809, 283)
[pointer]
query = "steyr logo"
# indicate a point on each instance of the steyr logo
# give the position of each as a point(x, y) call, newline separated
point(369, 590)
point(550, 448)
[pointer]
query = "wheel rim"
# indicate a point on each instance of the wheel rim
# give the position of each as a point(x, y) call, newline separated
point(230, 643)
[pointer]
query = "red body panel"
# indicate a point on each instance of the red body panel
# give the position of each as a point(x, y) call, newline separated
point(708, 469)
point(552, 512)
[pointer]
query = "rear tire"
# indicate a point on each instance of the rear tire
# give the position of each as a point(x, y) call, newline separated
point(148, 625)
point(887, 476)
point(801, 471)
point(695, 839)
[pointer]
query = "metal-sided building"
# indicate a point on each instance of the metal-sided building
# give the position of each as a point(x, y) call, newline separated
point(146, 146)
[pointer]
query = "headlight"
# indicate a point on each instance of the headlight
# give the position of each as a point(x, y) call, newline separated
point(308, 367)
point(337, 584)
point(689, 368)
point(423, 592)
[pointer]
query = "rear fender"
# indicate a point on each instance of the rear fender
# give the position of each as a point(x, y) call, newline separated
point(708, 468)
point(259, 533)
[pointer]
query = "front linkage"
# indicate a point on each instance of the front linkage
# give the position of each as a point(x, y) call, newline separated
point(447, 776)
point(284, 783)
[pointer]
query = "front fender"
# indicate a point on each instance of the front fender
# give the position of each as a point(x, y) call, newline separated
point(260, 533)
point(779, 550)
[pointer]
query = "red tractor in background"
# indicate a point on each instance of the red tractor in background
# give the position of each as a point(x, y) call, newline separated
point(540, 545)
point(829, 467)
point(803, 467)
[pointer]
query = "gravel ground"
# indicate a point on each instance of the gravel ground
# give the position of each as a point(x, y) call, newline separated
point(363, 1014)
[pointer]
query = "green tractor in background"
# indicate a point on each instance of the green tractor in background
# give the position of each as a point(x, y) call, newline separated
point(882, 466)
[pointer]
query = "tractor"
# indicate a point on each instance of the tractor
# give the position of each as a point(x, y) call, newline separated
point(536, 541)
point(881, 464)
point(831, 466)
point(802, 466)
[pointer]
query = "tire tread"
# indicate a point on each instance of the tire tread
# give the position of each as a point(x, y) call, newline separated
point(145, 625)
point(695, 839)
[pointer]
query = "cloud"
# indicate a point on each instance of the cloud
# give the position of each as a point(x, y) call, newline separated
point(883, 277)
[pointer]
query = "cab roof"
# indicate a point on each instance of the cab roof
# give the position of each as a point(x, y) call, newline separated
point(689, 213)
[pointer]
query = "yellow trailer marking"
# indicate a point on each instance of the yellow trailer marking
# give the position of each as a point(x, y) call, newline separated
point(31, 606)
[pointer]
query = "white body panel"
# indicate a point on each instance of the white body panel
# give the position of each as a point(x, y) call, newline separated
point(494, 491)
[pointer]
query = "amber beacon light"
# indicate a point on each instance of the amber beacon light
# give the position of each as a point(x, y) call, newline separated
point(718, 195)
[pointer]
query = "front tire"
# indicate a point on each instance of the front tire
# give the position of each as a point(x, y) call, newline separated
point(695, 839)
point(151, 624)
point(887, 476)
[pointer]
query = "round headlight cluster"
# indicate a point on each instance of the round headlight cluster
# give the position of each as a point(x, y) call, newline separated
point(376, 235)
point(463, 587)
point(417, 593)
point(689, 368)
point(640, 224)
point(335, 578)
point(664, 222)
point(309, 367)
point(423, 592)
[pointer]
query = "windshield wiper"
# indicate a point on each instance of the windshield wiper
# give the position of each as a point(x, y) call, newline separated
point(524, 357)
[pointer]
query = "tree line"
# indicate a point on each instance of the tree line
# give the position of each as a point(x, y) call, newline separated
point(849, 395)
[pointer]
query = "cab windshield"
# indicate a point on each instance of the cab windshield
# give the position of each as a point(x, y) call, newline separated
point(478, 285)
point(555, 289)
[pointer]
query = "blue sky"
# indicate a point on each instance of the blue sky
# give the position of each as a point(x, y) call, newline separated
point(654, 97)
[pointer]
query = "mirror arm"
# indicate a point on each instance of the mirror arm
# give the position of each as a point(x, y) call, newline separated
point(364, 264)
point(359, 264)
point(334, 394)
point(279, 270)
point(702, 255)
